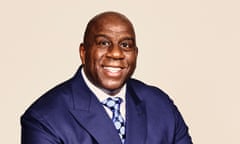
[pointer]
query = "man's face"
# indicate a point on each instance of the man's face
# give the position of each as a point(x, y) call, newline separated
point(109, 57)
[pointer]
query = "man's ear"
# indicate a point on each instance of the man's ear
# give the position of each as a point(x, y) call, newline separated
point(82, 53)
point(136, 51)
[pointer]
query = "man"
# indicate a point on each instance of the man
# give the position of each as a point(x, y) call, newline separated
point(76, 112)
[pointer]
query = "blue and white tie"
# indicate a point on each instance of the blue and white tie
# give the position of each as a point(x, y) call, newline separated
point(113, 103)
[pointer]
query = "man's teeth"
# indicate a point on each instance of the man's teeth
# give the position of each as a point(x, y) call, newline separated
point(112, 69)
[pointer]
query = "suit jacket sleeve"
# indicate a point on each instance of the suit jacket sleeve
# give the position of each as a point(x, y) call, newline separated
point(35, 130)
point(181, 132)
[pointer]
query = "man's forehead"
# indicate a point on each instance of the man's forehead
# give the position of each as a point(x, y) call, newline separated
point(110, 16)
point(110, 19)
point(113, 27)
point(109, 23)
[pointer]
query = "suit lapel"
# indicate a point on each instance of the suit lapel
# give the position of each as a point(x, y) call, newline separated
point(136, 124)
point(90, 113)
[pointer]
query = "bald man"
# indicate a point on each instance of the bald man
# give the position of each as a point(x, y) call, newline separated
point(102, 104)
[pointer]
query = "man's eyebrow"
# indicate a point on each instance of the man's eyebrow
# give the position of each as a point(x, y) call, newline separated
point(132, 39)
point(129, 38)
point(124, 38)
point(100, 35)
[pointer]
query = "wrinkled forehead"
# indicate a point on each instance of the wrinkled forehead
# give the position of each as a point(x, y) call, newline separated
point(113, 25)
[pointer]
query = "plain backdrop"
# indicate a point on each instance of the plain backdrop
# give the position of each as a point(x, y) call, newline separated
point(190, 49)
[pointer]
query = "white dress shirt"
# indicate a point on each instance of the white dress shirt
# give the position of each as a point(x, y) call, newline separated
point(101, 95)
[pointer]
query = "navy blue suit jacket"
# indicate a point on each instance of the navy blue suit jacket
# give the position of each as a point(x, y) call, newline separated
point(71, 114)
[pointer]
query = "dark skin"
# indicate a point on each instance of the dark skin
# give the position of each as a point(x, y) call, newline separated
point(109, 51)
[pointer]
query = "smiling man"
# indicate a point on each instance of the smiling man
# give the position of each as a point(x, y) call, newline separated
point(109, 51)
point(102, 104)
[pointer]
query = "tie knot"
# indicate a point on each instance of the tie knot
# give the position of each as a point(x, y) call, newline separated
point(113, 103)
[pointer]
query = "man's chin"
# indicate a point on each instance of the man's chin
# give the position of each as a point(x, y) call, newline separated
point(112, 92)
point(112, 89)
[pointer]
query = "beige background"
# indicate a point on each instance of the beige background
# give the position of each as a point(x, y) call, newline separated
point(188, 48)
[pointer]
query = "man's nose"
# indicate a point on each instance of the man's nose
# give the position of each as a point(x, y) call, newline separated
point(115, 52)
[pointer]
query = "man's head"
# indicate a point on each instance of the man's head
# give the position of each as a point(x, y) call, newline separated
point(109, 51)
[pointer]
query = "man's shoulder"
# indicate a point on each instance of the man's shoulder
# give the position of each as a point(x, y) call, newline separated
point(53, 100)
point(142, 87)
point(147, 91)
point(153, 97)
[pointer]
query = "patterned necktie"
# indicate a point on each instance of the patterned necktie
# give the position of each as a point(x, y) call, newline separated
point(113, 103)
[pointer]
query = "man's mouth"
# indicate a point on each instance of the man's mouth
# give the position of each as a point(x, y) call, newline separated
point(112, 69)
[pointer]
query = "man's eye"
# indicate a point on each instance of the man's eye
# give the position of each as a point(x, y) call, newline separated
point(125, 45)
point(104, 43)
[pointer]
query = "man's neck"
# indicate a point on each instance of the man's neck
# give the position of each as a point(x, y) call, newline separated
point(95, 89)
